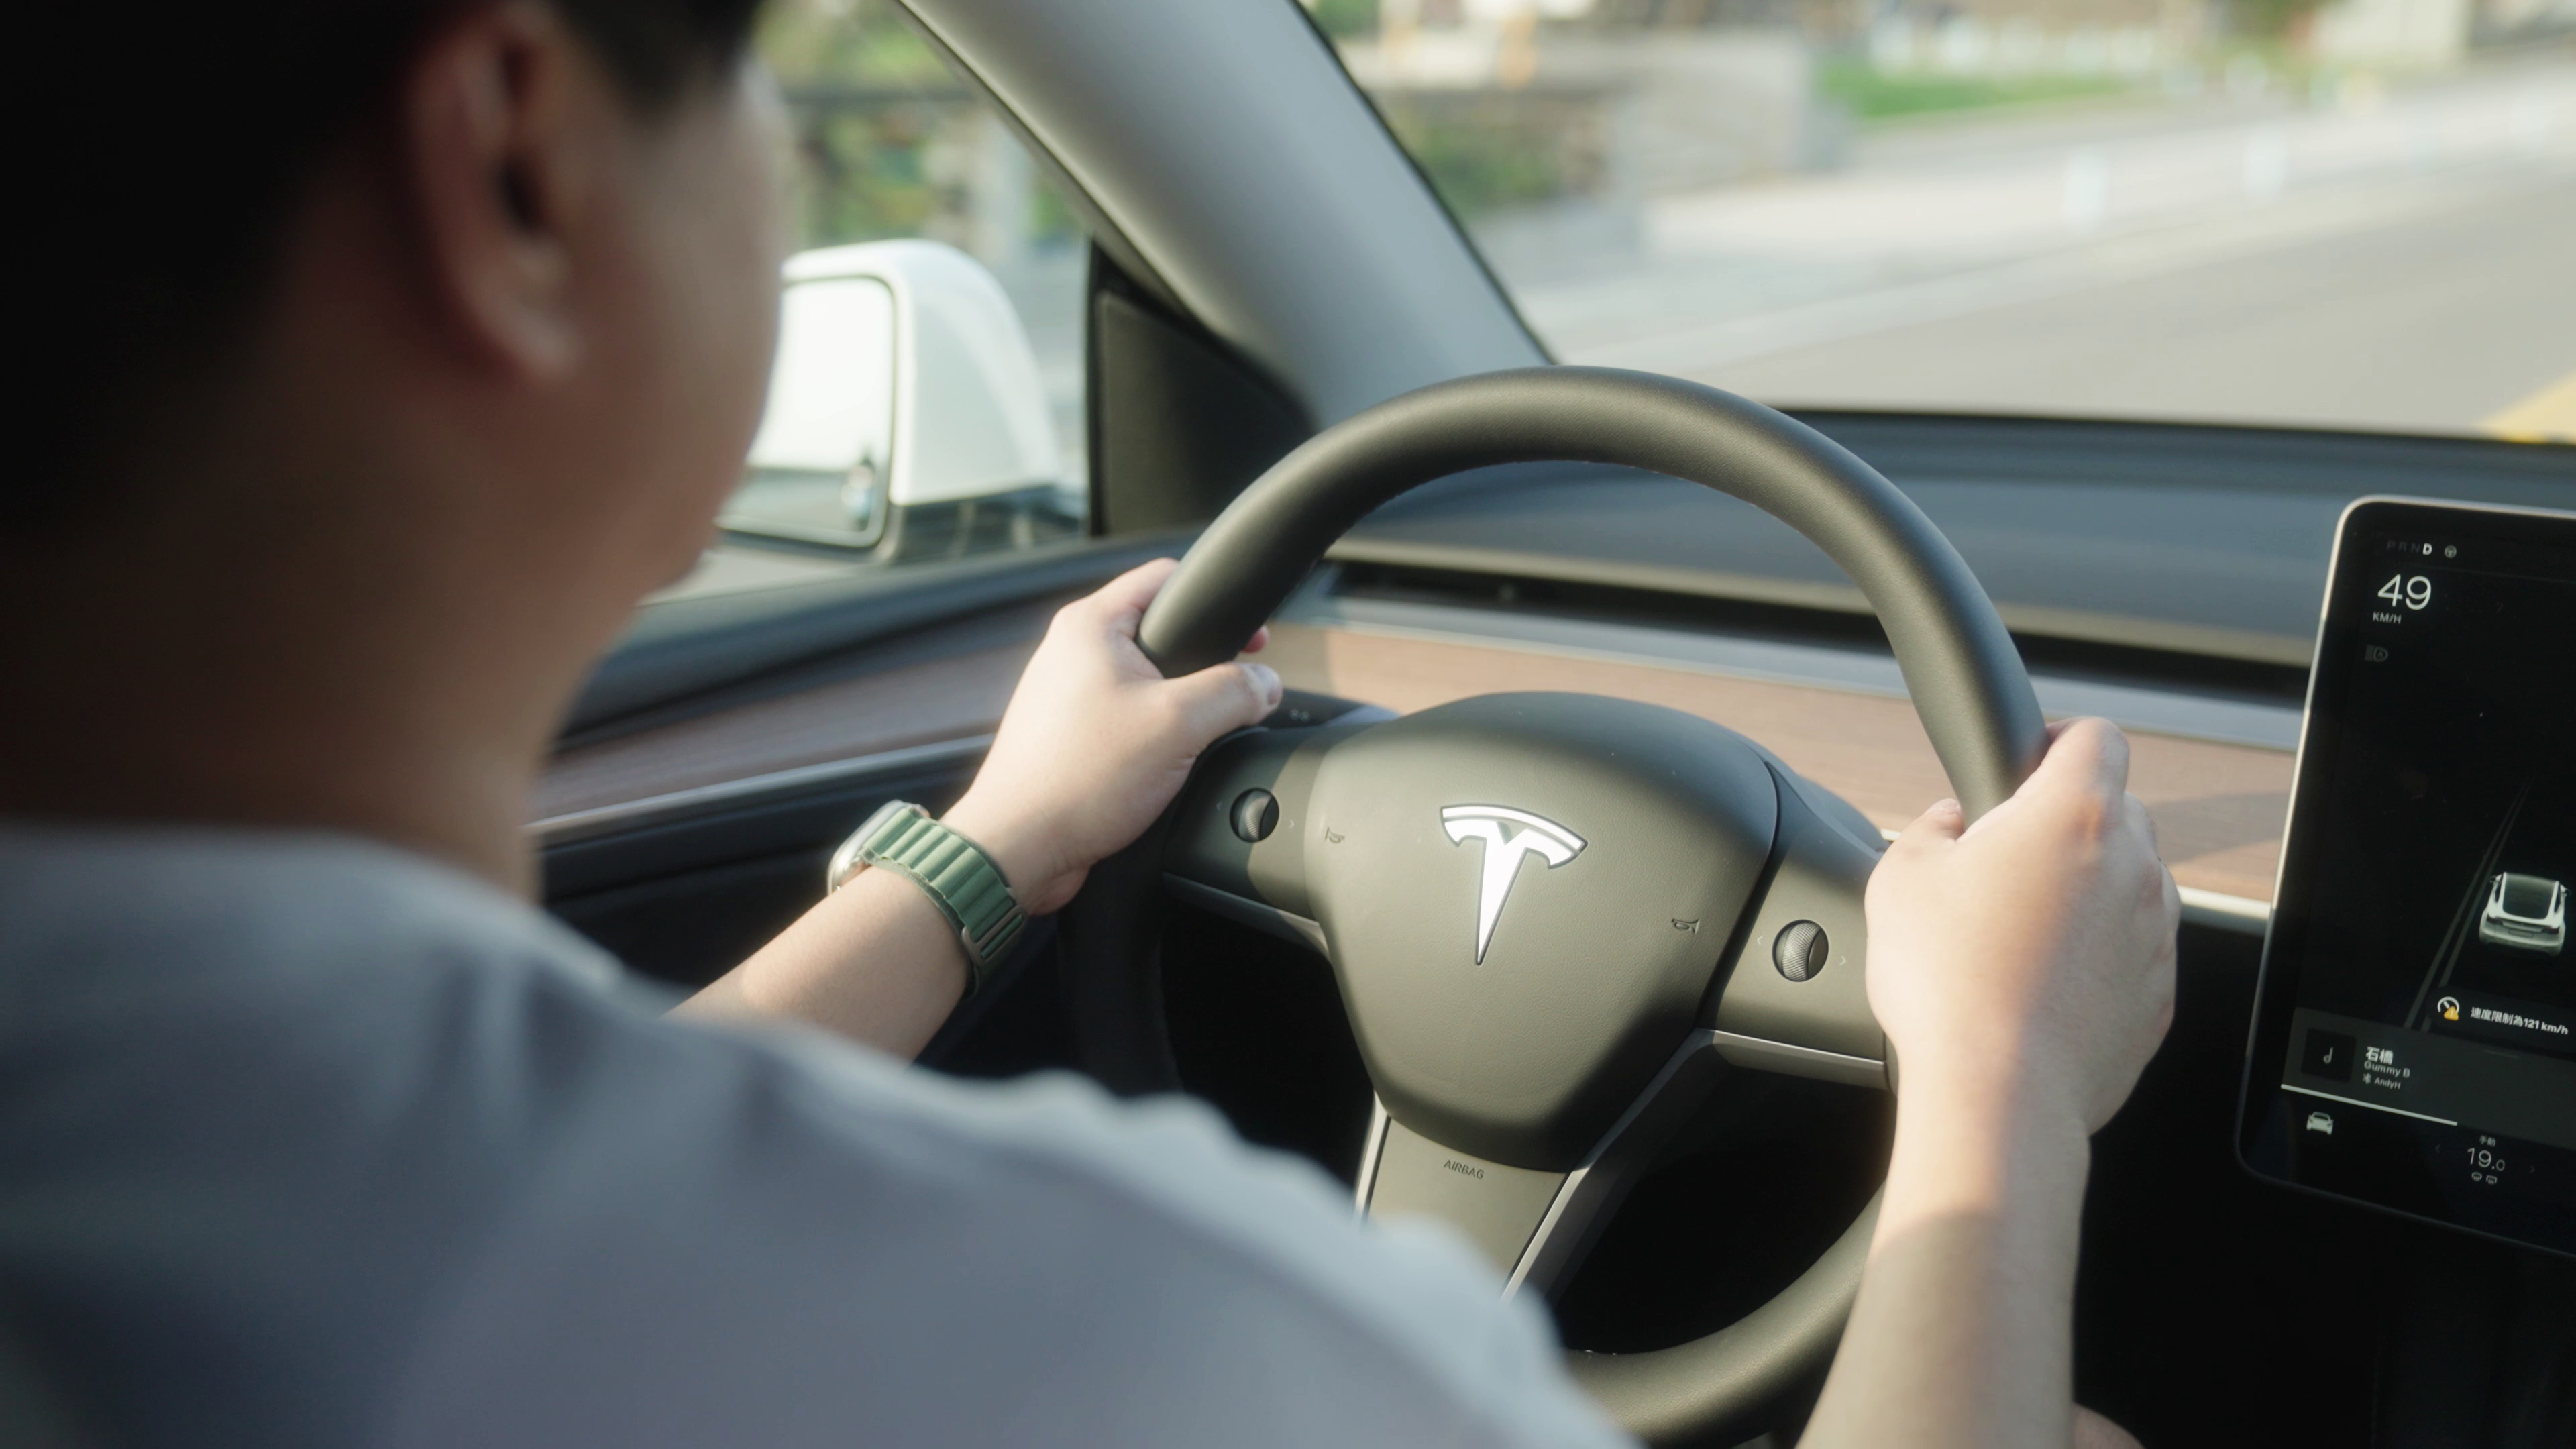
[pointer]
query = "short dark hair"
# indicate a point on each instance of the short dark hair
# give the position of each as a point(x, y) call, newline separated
point(161, 147)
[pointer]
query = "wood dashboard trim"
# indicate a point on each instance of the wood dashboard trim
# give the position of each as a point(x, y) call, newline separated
point(2219, 807)
point(930, 689)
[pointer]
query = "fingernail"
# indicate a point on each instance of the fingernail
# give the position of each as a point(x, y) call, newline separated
point(1268, 679)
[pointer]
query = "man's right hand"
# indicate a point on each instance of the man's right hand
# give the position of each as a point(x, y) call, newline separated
point(2023, 968)
point(2029, 958)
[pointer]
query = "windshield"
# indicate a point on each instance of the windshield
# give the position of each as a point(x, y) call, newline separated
point(2360, 214)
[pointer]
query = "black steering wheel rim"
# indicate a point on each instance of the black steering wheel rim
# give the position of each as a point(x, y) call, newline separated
point(1959, 664)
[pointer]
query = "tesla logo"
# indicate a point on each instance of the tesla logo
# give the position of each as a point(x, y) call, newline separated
point(1508, 835)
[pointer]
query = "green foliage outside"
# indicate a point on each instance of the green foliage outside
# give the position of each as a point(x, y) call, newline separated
point(1345, 17)
point(1486, 152)
point(1872, 95)
point(845, 43)
point(1476, 171)
point(2266, 19)
point(879, 128)
point(859, 175)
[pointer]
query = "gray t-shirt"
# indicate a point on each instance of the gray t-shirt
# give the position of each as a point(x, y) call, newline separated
point(307, 1141)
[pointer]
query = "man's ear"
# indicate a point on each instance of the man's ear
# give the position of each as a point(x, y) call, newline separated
point(498, 126)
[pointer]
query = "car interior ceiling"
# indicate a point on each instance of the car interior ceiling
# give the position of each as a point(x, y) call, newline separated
point(2212, 1309)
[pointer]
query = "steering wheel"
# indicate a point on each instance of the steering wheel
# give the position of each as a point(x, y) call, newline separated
point(1555, 919)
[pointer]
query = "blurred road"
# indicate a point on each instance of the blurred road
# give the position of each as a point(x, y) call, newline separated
point(2439, 324)
point(2399, 261)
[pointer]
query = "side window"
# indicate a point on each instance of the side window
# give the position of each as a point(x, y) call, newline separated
point(926, 402)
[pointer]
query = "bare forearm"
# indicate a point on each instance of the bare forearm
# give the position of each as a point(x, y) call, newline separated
point(1961, 1335)
point(1095, 744)
point(875, 962)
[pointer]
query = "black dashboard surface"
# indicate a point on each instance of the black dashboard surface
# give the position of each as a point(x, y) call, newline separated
point(2190, 539)
point(2187, 541)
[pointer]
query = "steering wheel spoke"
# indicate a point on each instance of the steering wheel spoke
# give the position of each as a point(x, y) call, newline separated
point(1534, 1226)
point(1793, 999)
point(1236, 844)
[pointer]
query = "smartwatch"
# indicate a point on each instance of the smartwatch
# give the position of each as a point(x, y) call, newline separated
point(960, 879)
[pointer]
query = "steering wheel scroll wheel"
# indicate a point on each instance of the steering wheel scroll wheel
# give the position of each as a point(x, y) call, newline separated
point(1555, 919)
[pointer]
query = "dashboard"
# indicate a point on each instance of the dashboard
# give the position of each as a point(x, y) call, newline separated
point(2165, 577)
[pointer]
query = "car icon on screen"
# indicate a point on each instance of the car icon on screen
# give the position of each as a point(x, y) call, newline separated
point(2525, 912)
point(2321, 1122)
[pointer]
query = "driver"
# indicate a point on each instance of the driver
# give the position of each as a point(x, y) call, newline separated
point(387, 353)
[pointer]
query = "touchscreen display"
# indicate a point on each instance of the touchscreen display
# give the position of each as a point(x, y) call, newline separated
point(2415, 1042)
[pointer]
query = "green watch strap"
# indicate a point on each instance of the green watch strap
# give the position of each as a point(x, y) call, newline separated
point(953, 871)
